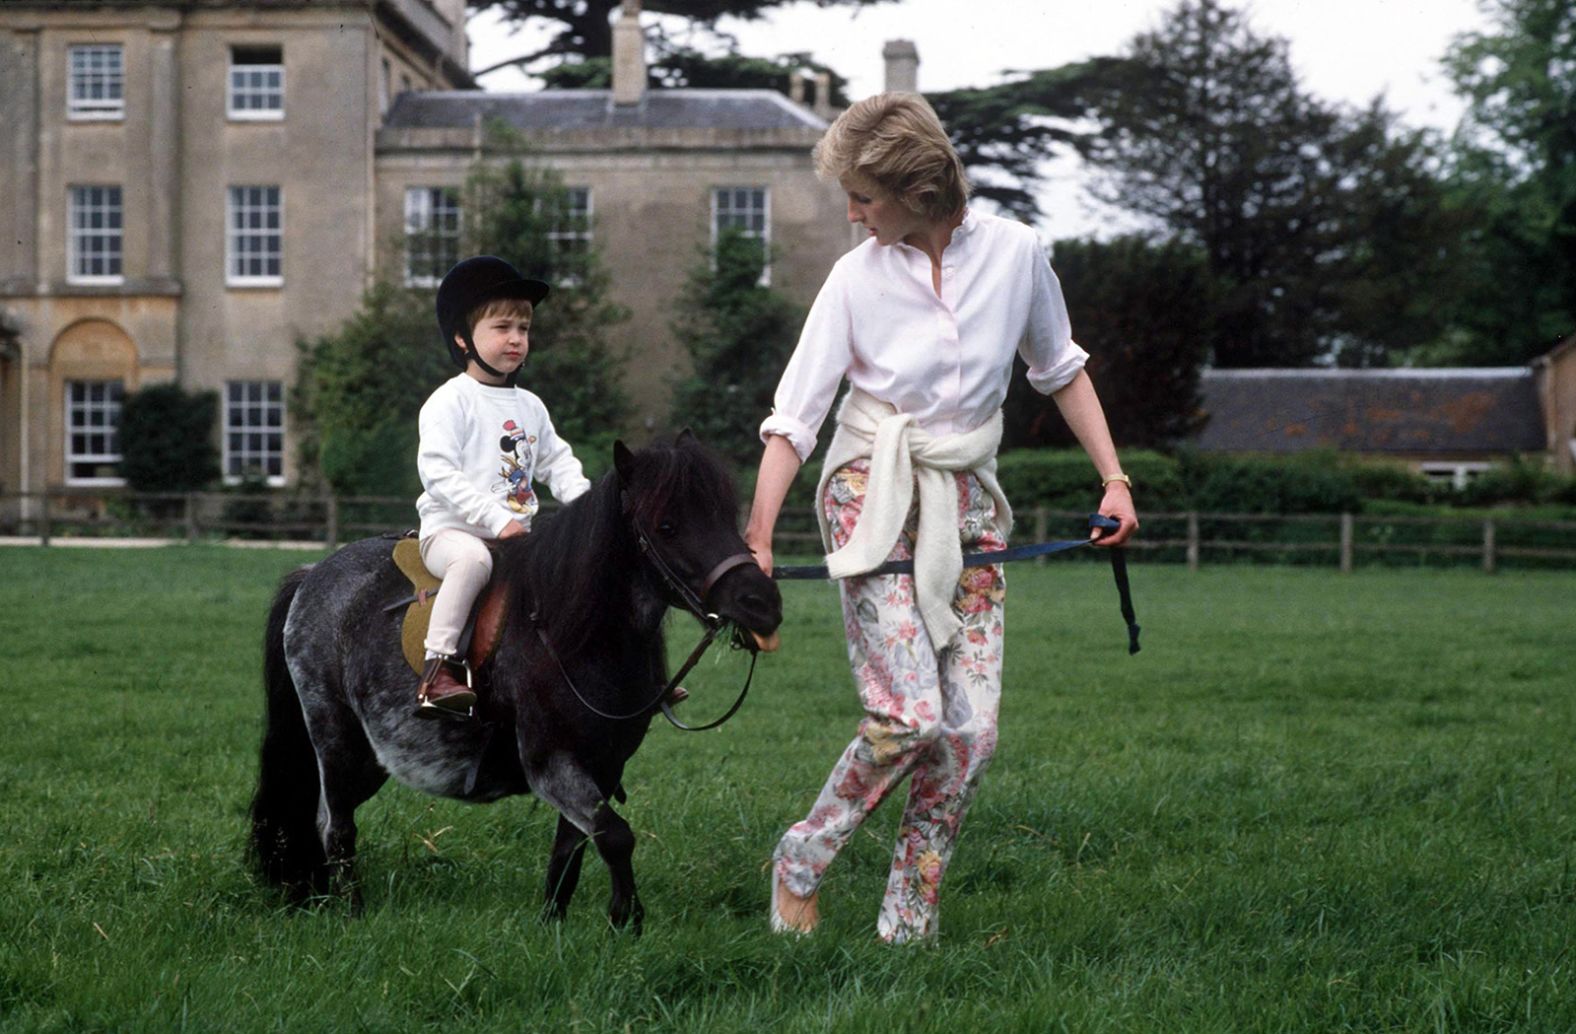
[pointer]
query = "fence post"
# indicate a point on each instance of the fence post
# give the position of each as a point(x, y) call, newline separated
point(1488, 545)
point(1192, 540)
point(191, 517)
point(1040, 525)
point(331, 532)
point(1346, 543)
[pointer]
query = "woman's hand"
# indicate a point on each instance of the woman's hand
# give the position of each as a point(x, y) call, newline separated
point(761, 550)
point(1118, 505)
point(511, 529)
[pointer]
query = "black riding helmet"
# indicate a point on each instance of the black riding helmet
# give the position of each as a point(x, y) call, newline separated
point(470, 284)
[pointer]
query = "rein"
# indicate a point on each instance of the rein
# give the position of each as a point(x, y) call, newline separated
point(695, 603)
point(1096, 520)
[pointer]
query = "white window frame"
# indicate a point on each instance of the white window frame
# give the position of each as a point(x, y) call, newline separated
point(105, 401)
point(1460, 475)
point(576, 238)
point(83, 202)
point(239, 85)
point(763, 234)
point(254, 430)
point(419, 211)
point(81, 79)
point(239, 207)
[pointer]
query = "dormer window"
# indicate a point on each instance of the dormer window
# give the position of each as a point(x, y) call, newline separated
point(257, 84)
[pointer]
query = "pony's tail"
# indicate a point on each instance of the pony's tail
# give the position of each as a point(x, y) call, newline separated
point(285, 849)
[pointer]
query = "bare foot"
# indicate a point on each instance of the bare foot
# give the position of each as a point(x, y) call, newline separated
point(792, 913)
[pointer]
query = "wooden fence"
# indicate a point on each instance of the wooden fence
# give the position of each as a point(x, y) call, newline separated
point(1339, 540)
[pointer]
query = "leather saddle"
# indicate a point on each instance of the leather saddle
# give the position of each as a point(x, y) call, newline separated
point(479, 639)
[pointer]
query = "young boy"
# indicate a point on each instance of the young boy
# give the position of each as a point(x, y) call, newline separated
point(483, 442)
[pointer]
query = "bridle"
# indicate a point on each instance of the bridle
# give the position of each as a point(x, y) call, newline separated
point(694, 602)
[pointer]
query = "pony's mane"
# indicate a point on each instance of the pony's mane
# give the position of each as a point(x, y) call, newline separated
point(574, 566)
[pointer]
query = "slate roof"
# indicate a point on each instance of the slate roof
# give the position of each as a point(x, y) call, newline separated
point(1490, 410)
point(594, 109)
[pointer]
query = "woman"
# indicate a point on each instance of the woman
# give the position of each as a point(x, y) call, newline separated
point(923, 319)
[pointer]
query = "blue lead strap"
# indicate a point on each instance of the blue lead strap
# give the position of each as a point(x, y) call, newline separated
point(817, 572)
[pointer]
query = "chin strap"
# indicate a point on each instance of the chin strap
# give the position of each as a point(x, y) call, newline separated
point(474, 356)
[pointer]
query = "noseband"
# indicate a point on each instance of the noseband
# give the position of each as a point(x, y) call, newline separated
point(694, 602)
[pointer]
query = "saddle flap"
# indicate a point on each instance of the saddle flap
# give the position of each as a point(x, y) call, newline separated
point(482, 630)
point(407, 557)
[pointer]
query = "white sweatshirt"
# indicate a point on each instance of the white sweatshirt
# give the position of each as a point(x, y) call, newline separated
point(481, 448)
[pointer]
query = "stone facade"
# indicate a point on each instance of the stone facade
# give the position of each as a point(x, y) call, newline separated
point(1556, 379)
point(124, 113)
point(166, 216)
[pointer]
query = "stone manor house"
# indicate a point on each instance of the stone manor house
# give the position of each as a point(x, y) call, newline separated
point(188, 187)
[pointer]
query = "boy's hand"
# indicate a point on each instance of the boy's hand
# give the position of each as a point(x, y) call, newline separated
point(511, 529)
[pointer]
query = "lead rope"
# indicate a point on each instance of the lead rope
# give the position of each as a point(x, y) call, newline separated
point(1001, 556)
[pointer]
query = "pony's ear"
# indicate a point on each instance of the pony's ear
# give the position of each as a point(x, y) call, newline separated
point(623, 461)
point(687, 437)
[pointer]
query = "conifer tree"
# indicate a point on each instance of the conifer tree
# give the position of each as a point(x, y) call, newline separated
point(739, 334)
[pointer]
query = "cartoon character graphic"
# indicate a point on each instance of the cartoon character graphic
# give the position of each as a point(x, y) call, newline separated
point(519, 464)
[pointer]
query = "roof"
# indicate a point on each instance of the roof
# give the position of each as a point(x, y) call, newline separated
point(594, 109)
point(1488, 410)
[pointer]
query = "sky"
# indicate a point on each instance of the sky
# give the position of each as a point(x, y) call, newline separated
point(1345, 50)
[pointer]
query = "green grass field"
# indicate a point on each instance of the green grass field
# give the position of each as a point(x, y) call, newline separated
point(1313, 803)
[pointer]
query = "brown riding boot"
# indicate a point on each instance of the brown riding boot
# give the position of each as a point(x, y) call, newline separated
point(441, 694)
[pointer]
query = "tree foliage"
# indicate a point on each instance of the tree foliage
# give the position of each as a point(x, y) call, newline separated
point(1004, 133)
point(166, 439)
point(1143, 312)
point(361, 387)
point(1514, 170)
point(520, 211)
point(1295, 204)
point(583, 29)
point(674, 66)
point(739, 335)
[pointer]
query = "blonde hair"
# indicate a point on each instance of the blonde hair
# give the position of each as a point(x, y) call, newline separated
point(518, 308)
point(896, 140)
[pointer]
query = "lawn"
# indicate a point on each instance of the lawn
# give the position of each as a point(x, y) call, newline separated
point(1313, 803)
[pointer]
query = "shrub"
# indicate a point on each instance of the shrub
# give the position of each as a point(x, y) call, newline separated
point(1062, 479)
point(166, 439)
point(1312, 482)
point(1392, 482)
point(1519, 481)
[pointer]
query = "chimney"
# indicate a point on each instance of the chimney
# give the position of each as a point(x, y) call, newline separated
point(823, 95)
point(629, 56)
point(902, 66)
point(796, 87)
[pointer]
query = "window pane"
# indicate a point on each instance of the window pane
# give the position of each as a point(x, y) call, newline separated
point(94, 241)
point(254, 422)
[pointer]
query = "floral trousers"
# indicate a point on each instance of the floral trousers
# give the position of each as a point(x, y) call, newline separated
point(927, 717)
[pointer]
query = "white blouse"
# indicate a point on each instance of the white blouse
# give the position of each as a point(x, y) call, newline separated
point(946, 360)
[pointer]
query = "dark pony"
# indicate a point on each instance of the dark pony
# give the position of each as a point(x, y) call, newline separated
point(340, 697)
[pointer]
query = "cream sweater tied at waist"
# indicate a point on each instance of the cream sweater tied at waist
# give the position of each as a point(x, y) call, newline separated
point(903, 455)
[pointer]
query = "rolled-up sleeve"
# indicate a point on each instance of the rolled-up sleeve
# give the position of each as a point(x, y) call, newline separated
point(809, 383)
point(1054, 358)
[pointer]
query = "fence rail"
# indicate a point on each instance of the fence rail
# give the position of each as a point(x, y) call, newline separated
point(1191, 538)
